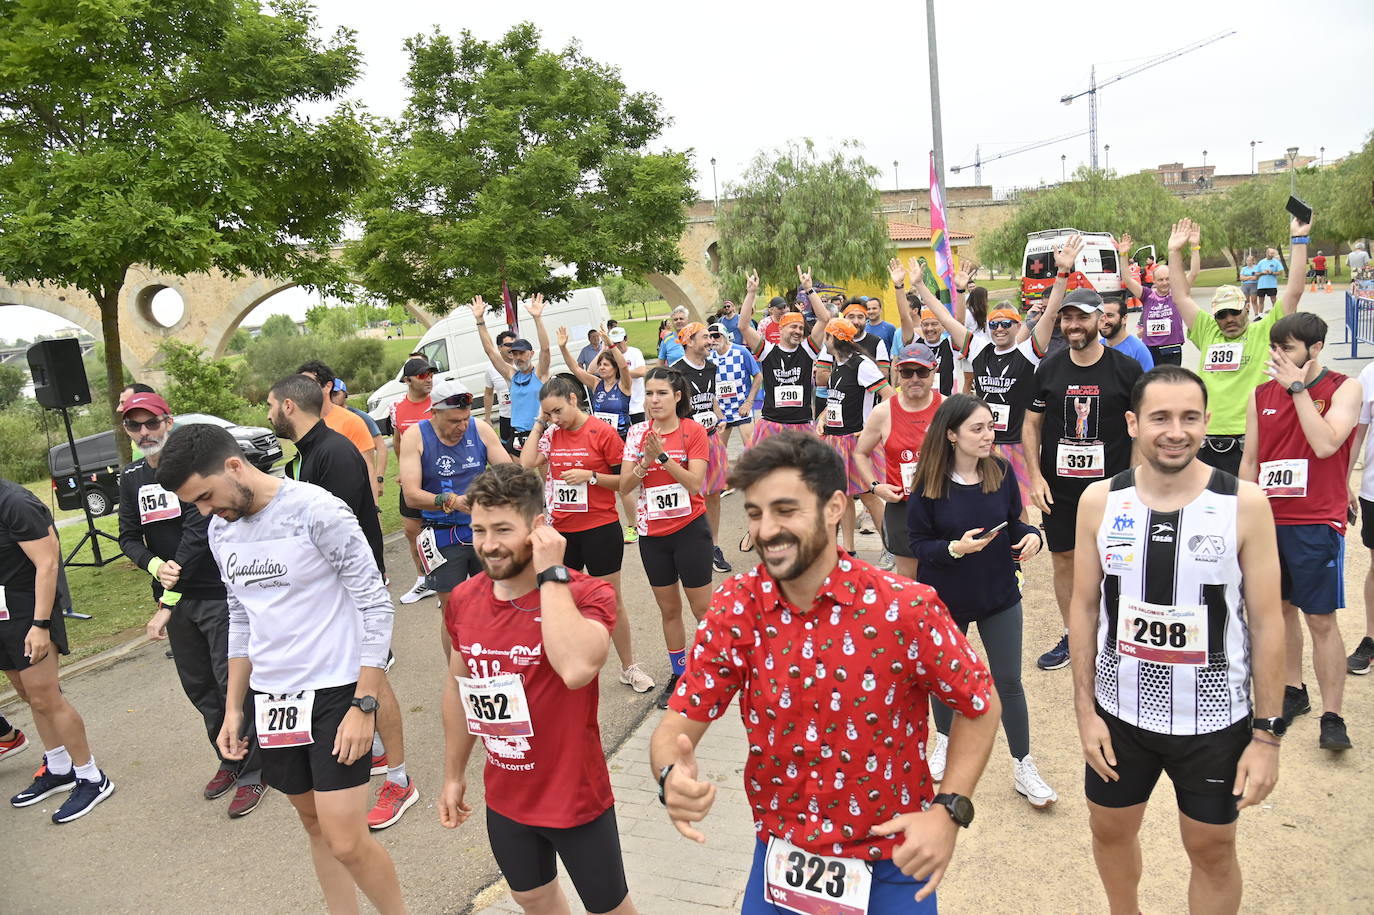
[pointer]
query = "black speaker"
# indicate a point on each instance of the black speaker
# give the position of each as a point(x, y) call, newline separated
point(59, 375)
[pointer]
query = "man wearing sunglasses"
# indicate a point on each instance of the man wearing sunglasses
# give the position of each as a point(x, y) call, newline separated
point(167, 537)
point(418, 376)
point(525, 376)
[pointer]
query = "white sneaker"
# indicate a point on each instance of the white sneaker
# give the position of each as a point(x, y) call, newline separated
point(635, 678)
point(938, 746)
point(886, 561)
point(419, 592)
point(1030, 785)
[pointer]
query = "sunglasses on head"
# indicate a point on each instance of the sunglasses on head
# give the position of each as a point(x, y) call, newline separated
point(461, 401)
point(152, 425)
point(1002, 324)
point(917, 370)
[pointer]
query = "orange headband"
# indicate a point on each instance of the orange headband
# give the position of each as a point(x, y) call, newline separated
point(841, 328)
point(856, 309)
point(791, 317)
point(687, 332)
point(1000, 313)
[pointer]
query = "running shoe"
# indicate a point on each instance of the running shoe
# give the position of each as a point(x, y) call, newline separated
point(45, 784)
point(939, 746)
point(1056, 657)
point(727, 491)
point(886, 561)
point(635, 678)
point(392, 801)
point(379, 766)
point(85, 795)
point(667, 693)
point(16, 744)
point(390, 661)
point(1295, 702)
point(1029, 784)
point(1357, 663)
point(718, 562)
point(419, 592)
point(221, 782)
point(631, 535)
point(1333, 733)
point(246, 800)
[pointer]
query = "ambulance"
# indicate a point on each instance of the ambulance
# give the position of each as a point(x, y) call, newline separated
point(1098, 266)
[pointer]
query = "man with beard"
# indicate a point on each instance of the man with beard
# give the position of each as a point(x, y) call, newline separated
point(1075, 433)
point(1160, 323)
point(340, 419)
point(167, 538)
point(1115, 335)
point(418, 375)
point(833, 662)
point(921, 326)
point(328, 460)
point(530, 638)
point(1298, 435)
point(1170, 552)
point(788, 378)
point(309, 630)
point(883, 330)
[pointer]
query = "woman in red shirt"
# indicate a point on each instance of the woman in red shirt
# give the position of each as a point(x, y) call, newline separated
point(665, 459)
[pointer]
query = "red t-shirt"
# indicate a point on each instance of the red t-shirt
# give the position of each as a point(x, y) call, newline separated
point(1322, 500)
point(1319, 262)
point(834, 699)
point(905, 434)
point(555, 778)
point(664, 504)
point(596, 447)
point(406, 413)
point(771, 330)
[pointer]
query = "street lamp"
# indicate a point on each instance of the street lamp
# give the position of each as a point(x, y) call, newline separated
point(896, 184)
point(1322, 152)
point(1292, 169)
point(715, 194)
point(1204, 158)
point(1252, 155)
point(1107, 161)
point(1063, 167)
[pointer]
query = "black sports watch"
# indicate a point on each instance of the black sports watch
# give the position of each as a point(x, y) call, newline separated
point(367, 703)
point(662, 457)
point(41, 624)
point(1297, 387)
point(554, 573)
point(1276, 726)
point(960, 808)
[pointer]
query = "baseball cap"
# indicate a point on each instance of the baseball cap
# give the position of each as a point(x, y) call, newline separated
point(690, 330)
point(617, 334)
point(149, 401)
point(340, 386)
point(717, 328)
point(917, 354)
point(841, 328)
point(777, 301)
point(450, 393)
point(1226, 298)
point(1010, 314)
point(1084, 300)
point(416, 366)
point(521, 345)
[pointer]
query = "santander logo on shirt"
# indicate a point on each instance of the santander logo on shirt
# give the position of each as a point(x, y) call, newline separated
point(519, 655)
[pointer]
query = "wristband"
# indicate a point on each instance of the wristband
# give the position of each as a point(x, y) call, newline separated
point(1300, 239)
point(153, 565)
point(169, 599)
point(952, 553)
point(1062, 275)
point(1195, 247)
point(899, 285)
point(439, 500)
point(1259, 739)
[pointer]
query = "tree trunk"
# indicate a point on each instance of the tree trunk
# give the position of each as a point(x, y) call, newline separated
point(108, 299)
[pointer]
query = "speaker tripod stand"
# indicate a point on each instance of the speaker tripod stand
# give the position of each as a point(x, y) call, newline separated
point(93, 533)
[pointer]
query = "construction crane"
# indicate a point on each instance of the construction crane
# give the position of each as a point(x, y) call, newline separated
point(979, 161)
point(1093, 86)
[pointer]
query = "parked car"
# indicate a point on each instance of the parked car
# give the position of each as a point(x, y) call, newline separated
point(99, 457)
point(1098, 266)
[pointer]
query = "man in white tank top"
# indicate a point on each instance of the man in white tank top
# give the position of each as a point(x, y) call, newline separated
point(1175, 610)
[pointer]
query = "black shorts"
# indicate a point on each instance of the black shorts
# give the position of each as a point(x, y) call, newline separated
point(407, 511)
point(894, 526)
point(462, 563)
point(1061, 524)
point(597, 551)
point(1319, 274)
point(1367, 523)
point(1270, 294)
point(296, 770)
point(14, 630)
point(682, 556)
point(1169, 354)
point(590, 852)
point(636, 418)
point(1201, 766)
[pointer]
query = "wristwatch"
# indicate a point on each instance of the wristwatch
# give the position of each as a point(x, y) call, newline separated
point(1297, 387)
point(554, 573)
point(41, 624)
point(662, 457)
point(960, 808)
point(592, 479)
point(1276, 726)
point(367, 703)
point(381, 479)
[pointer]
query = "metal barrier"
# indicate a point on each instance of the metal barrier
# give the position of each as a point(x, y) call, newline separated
point(1359, 316)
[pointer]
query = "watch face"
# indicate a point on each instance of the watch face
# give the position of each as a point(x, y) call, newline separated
point(963, 809)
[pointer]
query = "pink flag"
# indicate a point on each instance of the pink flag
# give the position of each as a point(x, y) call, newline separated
point(512, 316)
point(939, 237)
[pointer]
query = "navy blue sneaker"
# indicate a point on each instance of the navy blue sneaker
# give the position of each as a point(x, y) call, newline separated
point(718, 562)
point(45, 784)
point(83, 799)
point(1056, 657)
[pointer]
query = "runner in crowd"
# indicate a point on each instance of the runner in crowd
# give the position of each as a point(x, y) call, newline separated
point(418, 376)
point(581, 458)
point(328, 460)
point(1297, 447)
point(1249, 279)
point(309, 632)
point(595, 344)
point(32, 635)
point(729, 316)
point(496, 395)
point(919, 324)
point(738, 381)
point(699, 371)
point(1116, 334)
point(531, 637)
point(608, 384)
point(1233, 348)
point(167, 538)
point(856, 313)
point(1074, 433)
point(770, 328)
point(1163, 658)
point(1358, 662)
point(635, 360)
point(523, 373)
point(1160, 323)
point(856, 383)
point(440, 457)
point(970, 309)
point(670, 347)
point(1268, 270)
point(1319, 268)
point(125, 393)
point(787, 365)
point(665, 459)
point(883, 330)
point(339, 397)
point(961, 499)
point(340, 420)
point(836, 777)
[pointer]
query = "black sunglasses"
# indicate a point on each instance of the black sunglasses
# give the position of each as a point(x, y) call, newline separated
point(152, 425)
point(918, 371)
point(1001, 324)
point(461, 401)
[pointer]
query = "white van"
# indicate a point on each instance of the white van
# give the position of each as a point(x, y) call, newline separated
point(1097, 268)
point(454, 349)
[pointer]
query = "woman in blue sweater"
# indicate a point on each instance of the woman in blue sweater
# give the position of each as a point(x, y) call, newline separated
point(964, 519)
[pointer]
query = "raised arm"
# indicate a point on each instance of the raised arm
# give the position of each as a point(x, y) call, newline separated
point(1180, 285)
point(536, 310)
point(751, 336)
point(582, 374)
point(1123, 248)
point(958, 333)
point(806, 285)
point(479, 317)
point(1297, 266)
point(1195, 256)
point(1065, 256)
point(907, 333)
point(626, 379)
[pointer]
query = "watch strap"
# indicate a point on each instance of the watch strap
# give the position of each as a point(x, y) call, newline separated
point(662, 781)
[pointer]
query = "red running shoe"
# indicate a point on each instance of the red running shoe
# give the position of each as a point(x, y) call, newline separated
point(246, 800)
point(222, 781)
point(378, 765)
point(16, 744)
point(391, 803)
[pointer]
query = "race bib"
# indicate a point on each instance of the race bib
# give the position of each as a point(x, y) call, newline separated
point(1001, 416)
point(505, 398)
point(156, 504)
point(1158, 327)
point(728, 388)
point(707, 419)
point(788, 395)
point(834, 413)
point(1161, 634)
point(284, 721)
point(1222, 357)
point(670, 501)
point(1081, 460)
point(610, 419)
point(812, 884)
point(1284, 479)
point(569, 497)
point(427, 545)
point(4, 607)
point(908, 475)
point(496, 706)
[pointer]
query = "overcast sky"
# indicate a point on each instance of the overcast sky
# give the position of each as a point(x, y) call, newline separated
point(740, 77)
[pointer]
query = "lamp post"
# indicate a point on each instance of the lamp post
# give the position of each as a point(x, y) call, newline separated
point(1063, 167)
point(1292, 169)
point(1321, 151)
point(1204, 158)
point(1252, 155)
point(896, 184)
point(1107, 161)
point(715, 194)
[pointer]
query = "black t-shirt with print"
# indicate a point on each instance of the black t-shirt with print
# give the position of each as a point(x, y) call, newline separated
point(853, 387)
point(788, 373)
point(701, 382)
point(1006, 381)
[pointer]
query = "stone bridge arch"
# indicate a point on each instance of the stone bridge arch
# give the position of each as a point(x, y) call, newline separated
point(696, 286)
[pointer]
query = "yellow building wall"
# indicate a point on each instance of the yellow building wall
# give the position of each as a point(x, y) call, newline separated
point(905, 250)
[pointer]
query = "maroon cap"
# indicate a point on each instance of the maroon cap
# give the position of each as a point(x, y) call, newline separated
point(153, 403)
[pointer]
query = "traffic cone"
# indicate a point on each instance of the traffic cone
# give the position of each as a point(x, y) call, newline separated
point(1329, 287)
point(1314, 286)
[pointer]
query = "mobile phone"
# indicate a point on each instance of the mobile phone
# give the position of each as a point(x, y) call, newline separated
point(989, 534)
point(1300, 210)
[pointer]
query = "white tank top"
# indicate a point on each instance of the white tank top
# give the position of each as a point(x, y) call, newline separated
point(1173, 651)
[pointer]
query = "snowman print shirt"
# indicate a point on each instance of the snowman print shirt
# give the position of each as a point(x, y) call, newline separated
point(833, 698)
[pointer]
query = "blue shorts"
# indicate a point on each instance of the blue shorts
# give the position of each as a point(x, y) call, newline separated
point(890, 891)
point(1312, 567)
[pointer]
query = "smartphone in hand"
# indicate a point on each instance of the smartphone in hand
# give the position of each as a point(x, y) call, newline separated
point(1299, 209)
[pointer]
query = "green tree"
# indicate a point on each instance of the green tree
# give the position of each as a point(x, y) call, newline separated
point(621, 290)
point(509, 161)
point(200, 385)
point(792, 207)
point(1352, 195)
point(239, 341)
point(332, 320)
point(166, 134)
point(277, 326)
point(12, 381)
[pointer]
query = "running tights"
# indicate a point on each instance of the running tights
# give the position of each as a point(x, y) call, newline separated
point(1001, 634)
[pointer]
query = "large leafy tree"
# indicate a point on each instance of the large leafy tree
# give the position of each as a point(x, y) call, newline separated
point(793, 207)
point(512, 163)
point(1352, 194)
point(166, 133)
